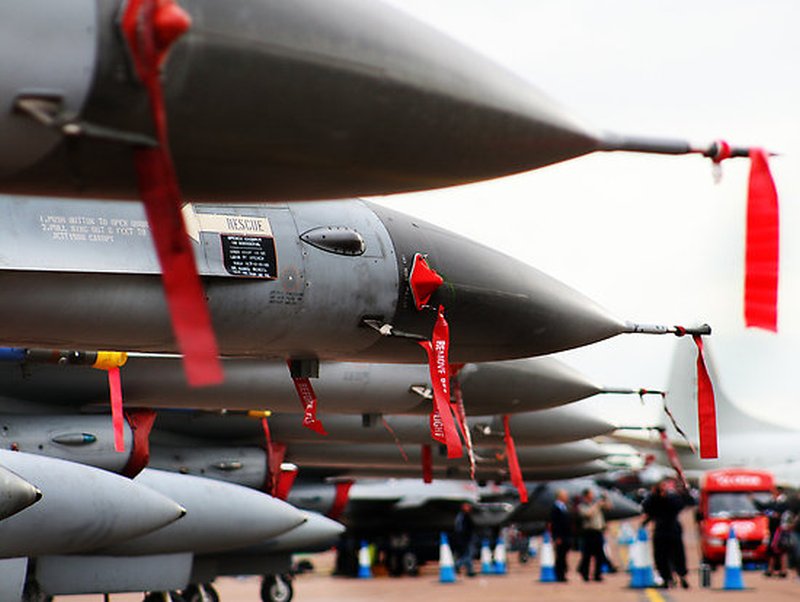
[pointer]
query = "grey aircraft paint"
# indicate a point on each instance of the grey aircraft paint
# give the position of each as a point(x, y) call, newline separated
point(349, 388)
point(544, 427)
point(346, 99)
point(81, 508)
point(343, 455)
point(79, 574)
point(59, 276)
point(219, 516)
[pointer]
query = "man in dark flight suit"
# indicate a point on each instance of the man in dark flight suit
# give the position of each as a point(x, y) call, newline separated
point(561, 530)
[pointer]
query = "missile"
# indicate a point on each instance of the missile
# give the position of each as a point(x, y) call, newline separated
point(317, 534)
point(355, 98)
point(220, 516)
point(342, 455)
point(81, 508)
point(85, 439)
point(462, 472)
point(243, 465)
point(16, 493)
point(280, 284)
point(348, 388)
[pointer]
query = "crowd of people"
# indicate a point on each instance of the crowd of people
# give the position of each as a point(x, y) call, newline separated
point(580, 525)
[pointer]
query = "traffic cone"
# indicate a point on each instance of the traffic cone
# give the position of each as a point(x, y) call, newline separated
point(364, 562)
point(486, 558)
point(642, 569)
point(500, 565)
point(447, 571)
point(532, 547)
point(733, 563)
point(548, 560)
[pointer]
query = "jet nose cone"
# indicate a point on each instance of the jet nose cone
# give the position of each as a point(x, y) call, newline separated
point(556, 425)
point(16, 493)
point(522, 385)
point(497, 307)
point(562, 454)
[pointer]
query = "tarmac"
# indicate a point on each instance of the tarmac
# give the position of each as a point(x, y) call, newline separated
point(520, 584)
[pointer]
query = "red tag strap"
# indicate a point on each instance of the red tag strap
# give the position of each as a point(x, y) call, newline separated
point(141, 423)
point(462, 421)
point(673, 458)
point(308, 399)
point(762, 246)
point(340, 499)
point(267, 433)
point(426, 457)
point(706, 406)
point(513, 462)
point(150, 27)
point(397, 442)
point(117, 417)
point(423, 281)
point(443, 428)
point(286, 479)
point(276, 452)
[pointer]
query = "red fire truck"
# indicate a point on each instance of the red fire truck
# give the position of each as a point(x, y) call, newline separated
point(727, 499)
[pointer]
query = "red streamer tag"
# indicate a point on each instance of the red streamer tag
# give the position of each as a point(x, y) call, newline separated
point(117, 415)
point(308, 399)
point(513, 463)
point(443, 427)
point(426, 456)
point(673, 458)
point(423, 281)
point(706, 406)
point(340, 499)
point(285, 481)
point(762, 246)
point(461, 413)
point(141, 423)
point(150, 27)
point(267, 434)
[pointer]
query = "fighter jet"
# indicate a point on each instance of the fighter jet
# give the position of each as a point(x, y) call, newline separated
point(300, 281)
point(745, 439)
point(346, 388)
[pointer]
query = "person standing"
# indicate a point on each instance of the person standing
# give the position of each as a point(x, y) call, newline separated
point(593, 520)
point(663, 506)
point(774, 509)
point(561, 530)
point(465, 539)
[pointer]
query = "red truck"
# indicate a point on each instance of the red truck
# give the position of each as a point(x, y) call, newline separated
point(727, 500)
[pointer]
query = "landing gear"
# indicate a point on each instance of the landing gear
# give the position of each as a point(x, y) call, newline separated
point(200, 592)
point(277, 588)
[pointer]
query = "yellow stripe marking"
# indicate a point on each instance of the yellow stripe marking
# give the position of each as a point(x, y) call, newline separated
point(653, 595)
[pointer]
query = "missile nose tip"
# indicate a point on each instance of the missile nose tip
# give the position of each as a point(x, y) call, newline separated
point(37, 494)
point(181, 512)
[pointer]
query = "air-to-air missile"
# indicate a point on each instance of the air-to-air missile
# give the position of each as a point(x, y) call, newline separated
point(82, 508)
point(81, 574)
point(220, 516)
point(16, 493)
point(346, 388)
point(271, 557)
point(344, 455)
point(305, 280)
point(542, 473)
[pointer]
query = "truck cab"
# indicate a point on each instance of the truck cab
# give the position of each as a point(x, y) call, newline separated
point(728, 499)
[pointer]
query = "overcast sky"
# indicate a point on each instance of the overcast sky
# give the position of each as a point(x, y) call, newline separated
point(651, 238)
